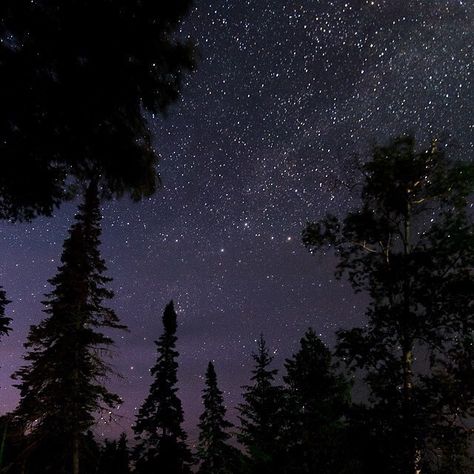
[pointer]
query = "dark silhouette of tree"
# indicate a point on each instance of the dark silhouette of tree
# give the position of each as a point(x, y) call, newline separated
point(161, 441)
point(78, 80)
point(62, 386)
point(260, 415)
point(363, 451)
point(410, 246)
point(317, 398)
point(4, 320)
point(12, 442)
point(114, 458)
point(214, 454)
point(90, 454)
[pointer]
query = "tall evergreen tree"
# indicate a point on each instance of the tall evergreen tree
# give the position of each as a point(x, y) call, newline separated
point(161, 440)
point(62, 386)
point(260, 415)
point(317, 398)
point(78, 80)
point(214, 454)
point(410, 246)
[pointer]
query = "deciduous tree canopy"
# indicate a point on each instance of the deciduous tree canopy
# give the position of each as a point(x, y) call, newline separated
point(410, 246)
point(77, 79)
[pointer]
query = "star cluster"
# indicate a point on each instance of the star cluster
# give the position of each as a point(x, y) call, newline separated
point(284, 94)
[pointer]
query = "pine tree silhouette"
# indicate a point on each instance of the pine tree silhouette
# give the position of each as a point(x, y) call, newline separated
point(317, 398)
point(62, 387)
point(214, 454)
point(260, 415)
point(161, 441)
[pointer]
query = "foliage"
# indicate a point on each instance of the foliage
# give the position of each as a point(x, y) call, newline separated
point(161, 441)
point(114, 457)
point(62, 386)
point(214, 454)
point(86, 76)
point(317, 398)
point(410, 246)
point(260, 415)
point(4, 320)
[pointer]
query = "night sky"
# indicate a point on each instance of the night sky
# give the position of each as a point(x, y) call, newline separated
point(262, 140)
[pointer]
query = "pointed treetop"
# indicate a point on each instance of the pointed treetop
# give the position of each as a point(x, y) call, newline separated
point(215, 456)
point(211, 371)
point(262, 356)
point(169, 318)
point(315, 348)
point(161, 440)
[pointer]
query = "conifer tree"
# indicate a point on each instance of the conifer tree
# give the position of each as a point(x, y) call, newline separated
point(114, 457)
point(62, 385)
point(123, 456)
point(90, 454)
point(410, 246)
point(11, 443)
point(214, 454)
point(260, 413)
point(316, 400)
point(161, 440)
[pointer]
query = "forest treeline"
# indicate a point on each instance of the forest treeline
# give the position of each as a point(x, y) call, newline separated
point(408, 244)
point(78, 80)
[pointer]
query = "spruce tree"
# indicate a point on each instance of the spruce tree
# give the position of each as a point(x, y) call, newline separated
point(409, 244)
point(260, 415)
point(62, 385)
point(214, 454)
point(161, 440)
point(317, 398)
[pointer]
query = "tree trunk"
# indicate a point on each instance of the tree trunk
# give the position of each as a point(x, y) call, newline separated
point(411, 453)
point(75, 453)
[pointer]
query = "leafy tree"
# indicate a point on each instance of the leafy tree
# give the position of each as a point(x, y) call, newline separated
point(62, 386)
point(4, 320)
point(214, 454)
point(114, 457)
point(317, 398)
point(161, 441)
point(78, 80)
point(410, 246)
point(260, 415)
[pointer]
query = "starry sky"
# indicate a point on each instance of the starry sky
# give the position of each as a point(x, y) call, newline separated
point(262, 141)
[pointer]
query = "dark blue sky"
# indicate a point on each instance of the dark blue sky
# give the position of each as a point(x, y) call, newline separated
point(262, 140)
